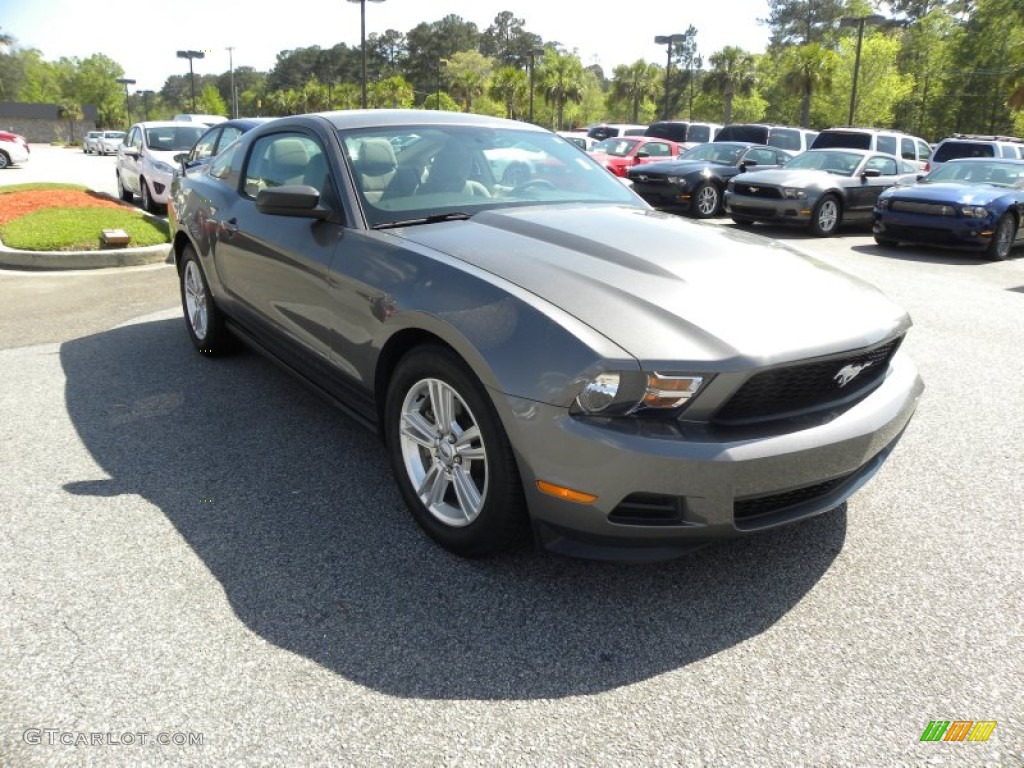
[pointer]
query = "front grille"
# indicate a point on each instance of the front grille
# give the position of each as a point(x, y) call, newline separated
point(928, 209)
point(756, 190)
point(751, 210)
point(807, 387)
point(745, 509)
point(648, 509)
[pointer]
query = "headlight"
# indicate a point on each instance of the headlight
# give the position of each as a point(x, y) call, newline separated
point(793, 193)
point(163, 167)
point(974, 211)
point(679, 181)
point(621, 394)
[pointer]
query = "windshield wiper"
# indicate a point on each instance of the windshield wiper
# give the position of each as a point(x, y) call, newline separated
point(433, 219)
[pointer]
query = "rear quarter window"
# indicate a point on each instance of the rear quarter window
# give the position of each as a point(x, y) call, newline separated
point(952, 150)
point(887, 144)
point(698, 133)
point(785, 138)
point(755, 134)
point(842, 140)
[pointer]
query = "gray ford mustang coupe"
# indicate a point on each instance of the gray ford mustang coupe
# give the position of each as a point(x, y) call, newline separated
point(545, 355)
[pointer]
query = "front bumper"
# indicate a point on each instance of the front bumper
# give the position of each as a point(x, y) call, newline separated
point(667, 196)
point(17, 152)
point(769, 209)
point(937, 230)
point(159, 184)
point(664, 489)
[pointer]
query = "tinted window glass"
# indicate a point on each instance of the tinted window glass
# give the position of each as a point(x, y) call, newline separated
point(1009, 151)
point(923, 150)
point(204, 147)
point(884, 165)
point(887, 144)
point(845, 139)
point(907, 149)
point(221, 166)
point(670, 131)
point(951, 150)
point(285, 158)
point(785, 138)
point(173, 138)
point(229, 134)
point(698, 133)
point(758, 134)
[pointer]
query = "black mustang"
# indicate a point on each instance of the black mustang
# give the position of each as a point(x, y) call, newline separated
point(694, 181)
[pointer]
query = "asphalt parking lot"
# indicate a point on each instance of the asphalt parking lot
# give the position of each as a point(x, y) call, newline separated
point(204, 552)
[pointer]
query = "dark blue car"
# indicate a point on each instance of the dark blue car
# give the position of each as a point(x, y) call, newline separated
point(971, 203)
point(215, 139)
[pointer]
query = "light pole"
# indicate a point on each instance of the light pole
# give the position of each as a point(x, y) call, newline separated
point(126, 81)
point(145, 101)
point(234, 93)
point(668, 40)
point(859, 22)
point(534, 52)
point(362, 37)
point(191, 75)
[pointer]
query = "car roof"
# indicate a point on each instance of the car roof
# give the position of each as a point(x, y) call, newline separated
point(1011, 160)
point(849, 150)
point(166, 124)
point(369, 118)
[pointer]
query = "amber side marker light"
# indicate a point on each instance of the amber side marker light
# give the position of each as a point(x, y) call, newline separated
point(565, 493)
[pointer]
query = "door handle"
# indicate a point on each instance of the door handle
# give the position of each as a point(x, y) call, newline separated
point(230, 226)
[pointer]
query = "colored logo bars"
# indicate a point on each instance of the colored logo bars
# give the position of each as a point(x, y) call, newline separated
point(958, 730)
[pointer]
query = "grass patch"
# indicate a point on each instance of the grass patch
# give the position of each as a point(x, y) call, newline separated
point(79, 229)
point(40, 185)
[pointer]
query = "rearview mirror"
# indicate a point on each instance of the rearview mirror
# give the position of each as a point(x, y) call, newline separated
point(291, 200)
point(871, 173)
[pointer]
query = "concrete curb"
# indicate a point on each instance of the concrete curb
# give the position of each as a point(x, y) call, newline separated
point(11, 258)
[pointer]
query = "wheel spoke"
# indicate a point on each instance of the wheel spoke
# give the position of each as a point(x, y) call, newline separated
point(466, 493)
point(420, 431)
point(443, 404)
point(469, 446)
point(434, 487)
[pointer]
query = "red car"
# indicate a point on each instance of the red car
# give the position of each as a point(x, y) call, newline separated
point(621, 153)
point(13, 149)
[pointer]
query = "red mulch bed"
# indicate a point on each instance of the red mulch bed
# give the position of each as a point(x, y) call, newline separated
point(16, 204)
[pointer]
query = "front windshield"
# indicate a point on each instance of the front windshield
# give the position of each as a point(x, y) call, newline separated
point(614, 147)
point(723, 154)
point(454, 170)
point(1001, 174)
point(113, 135)
point(839, 163)
point(173, 138)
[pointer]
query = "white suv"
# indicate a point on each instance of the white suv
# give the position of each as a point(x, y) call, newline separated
point(970, 145)
point(913, 149)
point(145, 161)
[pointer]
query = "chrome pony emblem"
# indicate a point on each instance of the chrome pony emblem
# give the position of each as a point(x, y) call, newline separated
point(753, 190)
point(848, 373)
point(641, 177)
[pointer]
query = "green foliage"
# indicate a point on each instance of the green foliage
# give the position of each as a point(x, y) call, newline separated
point(561, 82)
point(390, 93)
point(39, 185)
point(732, 74)
point(209, 101)
point(635, 88)
point(467, 74)
point(880, 85)
point(78, 229)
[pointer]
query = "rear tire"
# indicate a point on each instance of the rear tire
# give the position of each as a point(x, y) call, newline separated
point(450, 455)
point(1002, 241)
point(204, 321)
point(5, 160)
point(826, 217)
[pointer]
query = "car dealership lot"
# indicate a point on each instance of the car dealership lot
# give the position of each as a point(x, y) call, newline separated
point(194, 548)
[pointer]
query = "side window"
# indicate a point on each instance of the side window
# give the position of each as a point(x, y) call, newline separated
point(887, 144)
point(229, 134)
point(204, 147)
point(135, 139)
point(286, 158)
point(923, 151)
point(761, 156)
point(220, 168)
point(1009, 151)
point(785, 138)
point(884, 165)
point(657, 149)
point(699, 133)
point(907, 149)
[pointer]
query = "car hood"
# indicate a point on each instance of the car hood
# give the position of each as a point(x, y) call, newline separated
point(665, 289)
point(951, 191)
point(799, 177)
point(679, 169)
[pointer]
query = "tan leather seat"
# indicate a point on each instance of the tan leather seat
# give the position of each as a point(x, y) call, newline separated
point(375, 164)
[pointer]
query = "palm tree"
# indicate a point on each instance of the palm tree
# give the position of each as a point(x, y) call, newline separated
point(808, 69)
point(72, 112)
point(635, 83)
point(732, 73)
point(561, 77)
point(510, 86)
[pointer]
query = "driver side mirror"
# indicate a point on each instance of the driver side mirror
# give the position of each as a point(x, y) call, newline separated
point(871, 173)
point(642, 153)
point(747, 164)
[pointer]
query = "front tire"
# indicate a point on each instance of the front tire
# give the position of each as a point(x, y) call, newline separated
point(450, 455)
point(203, 319)
point(147, 198)
point(5, 160)
point(826, 217)
point(707, 200)
point(123, 192)
point(1002, 240)
point(742, 221)
point(885, 242)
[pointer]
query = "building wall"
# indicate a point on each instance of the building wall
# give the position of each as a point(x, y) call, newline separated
point(46, 131)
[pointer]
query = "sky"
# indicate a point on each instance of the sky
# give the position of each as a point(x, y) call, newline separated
point(144, 37)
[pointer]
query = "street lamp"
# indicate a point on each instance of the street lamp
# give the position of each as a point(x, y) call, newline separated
point(126, 81)
point(145, 101)
point(234, 93)
point(362, 37)
point(859, 22)
point(534, 52)
point(668, 40)
point(191, 75)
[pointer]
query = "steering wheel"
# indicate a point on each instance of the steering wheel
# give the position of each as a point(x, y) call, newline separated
point(538, 183)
